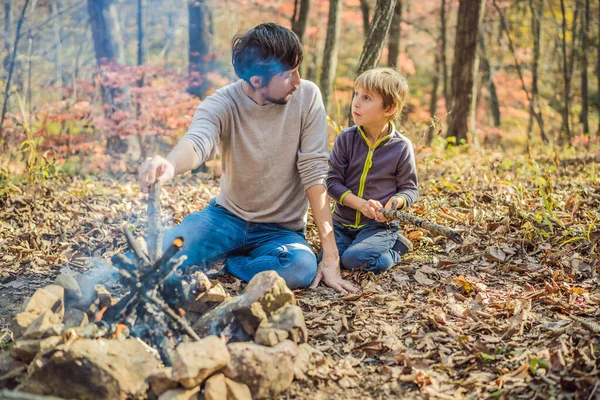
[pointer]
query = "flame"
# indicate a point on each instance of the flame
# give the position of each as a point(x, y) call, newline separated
point(170, 335)
point(99, 314)
point(118, 331)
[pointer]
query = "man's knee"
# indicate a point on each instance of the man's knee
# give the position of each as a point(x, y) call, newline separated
point(301, 268)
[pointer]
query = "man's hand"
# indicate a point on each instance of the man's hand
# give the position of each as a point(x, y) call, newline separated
point(157, 168)
point(328, 271)
point(370, 209)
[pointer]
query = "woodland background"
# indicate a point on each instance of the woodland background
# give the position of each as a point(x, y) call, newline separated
point(503, 113)
point(93, 80)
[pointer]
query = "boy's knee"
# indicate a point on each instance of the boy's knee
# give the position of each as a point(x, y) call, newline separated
point(352, 260)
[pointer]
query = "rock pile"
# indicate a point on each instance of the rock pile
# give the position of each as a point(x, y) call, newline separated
point(248, 349)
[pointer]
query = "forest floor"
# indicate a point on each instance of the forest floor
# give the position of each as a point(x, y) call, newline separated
point(511, 313)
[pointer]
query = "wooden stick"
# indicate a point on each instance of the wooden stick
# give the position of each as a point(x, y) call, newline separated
point(171, 314)
point(435, 229)
point(154, 223)
point(139, 255)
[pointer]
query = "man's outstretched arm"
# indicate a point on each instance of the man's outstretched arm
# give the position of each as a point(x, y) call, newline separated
point(329, 268)
point(181, 159)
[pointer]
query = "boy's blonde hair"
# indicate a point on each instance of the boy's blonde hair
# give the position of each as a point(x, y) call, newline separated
point(388, 83)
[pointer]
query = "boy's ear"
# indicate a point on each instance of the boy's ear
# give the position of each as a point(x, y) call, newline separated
point(390, 110)
point(256, 81)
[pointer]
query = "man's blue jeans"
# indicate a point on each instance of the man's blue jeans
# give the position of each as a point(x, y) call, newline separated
point(215, 234)
point(374, 246)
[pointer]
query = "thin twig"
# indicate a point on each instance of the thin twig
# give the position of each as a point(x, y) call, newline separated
point(154, 224)
point(138, 253)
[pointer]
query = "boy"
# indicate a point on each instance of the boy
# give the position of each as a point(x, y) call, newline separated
point(372, 164)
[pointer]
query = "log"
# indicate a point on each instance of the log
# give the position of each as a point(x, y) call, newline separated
point(434, 228)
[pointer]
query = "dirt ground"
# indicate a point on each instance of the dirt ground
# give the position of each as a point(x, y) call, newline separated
point(513, 312)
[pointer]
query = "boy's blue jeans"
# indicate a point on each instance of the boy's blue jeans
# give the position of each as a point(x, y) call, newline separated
point(374, 246)
point(215, 234)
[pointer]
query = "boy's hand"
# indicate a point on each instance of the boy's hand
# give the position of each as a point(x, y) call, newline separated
point(394, 203)
point(370, 209)
point(399, 201)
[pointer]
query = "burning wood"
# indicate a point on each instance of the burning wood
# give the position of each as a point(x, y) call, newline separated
point(56, 340)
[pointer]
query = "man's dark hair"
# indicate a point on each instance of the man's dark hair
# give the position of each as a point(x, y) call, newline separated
point(266, 50)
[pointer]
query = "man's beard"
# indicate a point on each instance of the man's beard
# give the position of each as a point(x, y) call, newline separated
point(283, 101)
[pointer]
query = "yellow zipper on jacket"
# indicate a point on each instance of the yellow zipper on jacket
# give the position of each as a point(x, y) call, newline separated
point(367, 166)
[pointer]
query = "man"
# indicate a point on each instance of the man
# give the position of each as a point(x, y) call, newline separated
point(270, 127)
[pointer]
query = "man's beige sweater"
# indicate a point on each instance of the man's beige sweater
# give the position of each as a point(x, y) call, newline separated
point(270, 154)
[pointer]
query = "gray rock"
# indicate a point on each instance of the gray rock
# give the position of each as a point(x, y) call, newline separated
point(93, 369)
point(161, 381)
point(25, 350)
point(267, 371)
point(287, 322)
point(75, 318)
point(45, 325)
point(181, 394)
point(9, 364)
point(266, 292)
point(218, 387)
point(22, 321)
point(69, 283)
point(196, 361)
point(50, 298)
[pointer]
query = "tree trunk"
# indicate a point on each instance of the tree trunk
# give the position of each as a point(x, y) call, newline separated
point(536, 8)
point(7, 20)
point(140, 31)
point(565, 128)
point(394, 36)
point(489, 81)
point(330, 55)
point(312, 60)
point(585, 26)
point(443, 51)
point(382, 17)
point(371, 53)
point(117, 37)
point(433, 101)
point(58, 43)
point(511, 47)
point(364, 8)
point(300, 18)
point(476, 80)
point(10, 71)
point(199, 46)
point(467, 28)
point(101, 33)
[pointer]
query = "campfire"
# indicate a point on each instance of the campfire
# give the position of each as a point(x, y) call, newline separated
point(169, 336)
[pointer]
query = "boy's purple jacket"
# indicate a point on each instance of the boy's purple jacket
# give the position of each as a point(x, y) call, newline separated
point(378, 172)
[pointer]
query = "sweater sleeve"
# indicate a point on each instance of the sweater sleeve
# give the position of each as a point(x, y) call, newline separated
point(312, 152)
point(207, 126)
point(338, 165)
point(406, 175)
